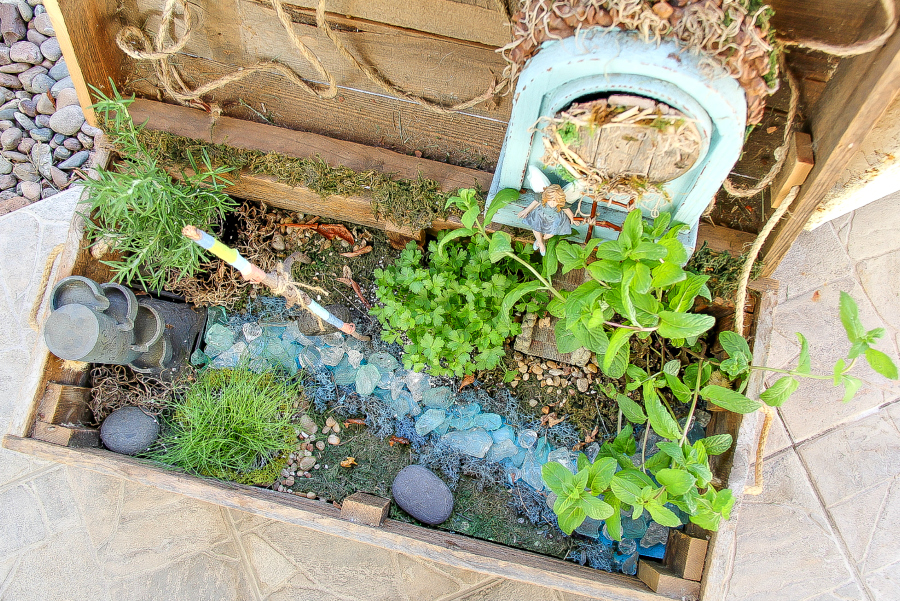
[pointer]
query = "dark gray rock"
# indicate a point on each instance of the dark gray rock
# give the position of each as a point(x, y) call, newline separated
point(41, 134)
point(42, 120)
point(59, 70)
point(24, 121)
point(41, 83)
point(61, 153)
point(129, 431)
point(421, 494)
point(76, 160)
point(307, 322)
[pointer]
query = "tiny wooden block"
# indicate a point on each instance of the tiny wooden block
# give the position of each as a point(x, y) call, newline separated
point(63, 404)
point(686, 555)
point(399, 236)
point(797, 165)
point(67, 436)
point(665, 581)
point(363, 508)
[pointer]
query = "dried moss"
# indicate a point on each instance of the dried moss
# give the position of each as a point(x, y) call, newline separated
point(408, 202)
point(723, 268)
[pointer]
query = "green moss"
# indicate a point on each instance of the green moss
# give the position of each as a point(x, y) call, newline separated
point(723, 268)
point(409, 202)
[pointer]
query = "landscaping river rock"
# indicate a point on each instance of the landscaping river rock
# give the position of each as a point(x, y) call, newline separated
point(421, 494)
point(43, 133)
point(129, 431)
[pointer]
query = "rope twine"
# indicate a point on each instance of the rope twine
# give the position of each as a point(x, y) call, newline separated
point(138, 45)
point(757, 487)
point(42, 287)
point(857, 48)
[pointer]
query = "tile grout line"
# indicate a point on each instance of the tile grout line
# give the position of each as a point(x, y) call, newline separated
point(842, 545)
point(245, 560)
point(861, 416)
point(24, 479)
point(475, 588)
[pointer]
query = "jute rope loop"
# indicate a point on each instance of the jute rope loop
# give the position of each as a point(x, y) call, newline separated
point(138, 45)
point(42, 287)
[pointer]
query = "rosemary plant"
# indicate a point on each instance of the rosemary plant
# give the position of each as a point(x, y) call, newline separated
point(139, 210)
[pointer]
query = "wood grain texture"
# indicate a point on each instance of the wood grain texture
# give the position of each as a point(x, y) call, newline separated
point(855, 98)
point(686, 555)
point(64, 404)
point(666, 582)
point(199, 125)
point(723, 239)
point(86, 33)
point(433, 545)
point(797, 165)
point(67, 436)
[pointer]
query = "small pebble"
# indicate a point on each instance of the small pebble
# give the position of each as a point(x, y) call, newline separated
point(334, 440)
point(582, 384)
point(67, 120)
point(330, 422)
point(336, 428)
point(72, 144)
point(45, 105)
point(532, 403)
point(25, 52)
point(36, 37)
point(27, 144)
point(320, 445)
point(42, 24)
point(67, 97)
point(310, 495)
point(15, 68)
point(51, 50)
point(289, 481)
point(85, 140)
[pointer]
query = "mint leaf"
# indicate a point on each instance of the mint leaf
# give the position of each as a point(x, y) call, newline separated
point(672, 367)
point(849, 313)
point(667, 274)
point(683, 325)
point(729, 399)
point(569, 257)
point(717, 444)
point(663, 515)
point(500, 200)
point(677, 482)
point(803, 364)
point(570, 517)
point(501, 243)
point(660, 420)
point(734, 344)
point(881, 363)
point(606, 271)
point(566, 341)
point(619, 338)
point(631, 410)
point(780, 391)
point(596, 508)
point(649, 251)
point(557, 478)
point(851, 386)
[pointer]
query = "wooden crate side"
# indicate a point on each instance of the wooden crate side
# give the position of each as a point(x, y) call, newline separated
point(722, 544)
point(200, 125)
point(860, 92)
point(433, 545)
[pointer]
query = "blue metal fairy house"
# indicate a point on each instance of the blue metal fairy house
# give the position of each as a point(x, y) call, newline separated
point(597, 63)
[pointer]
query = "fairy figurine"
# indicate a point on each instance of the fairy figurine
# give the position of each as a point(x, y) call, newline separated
point(549, 217)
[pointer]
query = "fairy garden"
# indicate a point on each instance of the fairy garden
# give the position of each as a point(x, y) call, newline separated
point(555, 369)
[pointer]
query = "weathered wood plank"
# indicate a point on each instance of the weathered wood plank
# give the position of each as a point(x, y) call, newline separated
point(860, 92)
point(199, 125)
point(797, 165)
point(86, 32)
point(65, 404)
point(433, 545)
point(66, 436)
point(723, 239)
point(371, 119)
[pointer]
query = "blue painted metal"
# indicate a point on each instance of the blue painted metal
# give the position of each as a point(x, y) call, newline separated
point(598, 62)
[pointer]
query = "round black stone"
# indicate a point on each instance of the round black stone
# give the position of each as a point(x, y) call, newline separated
point(129, 430)
point(421, 494)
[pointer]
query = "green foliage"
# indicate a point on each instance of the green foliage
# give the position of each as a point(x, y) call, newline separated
point(450, 310)
point(228, 424)
point(139, 210)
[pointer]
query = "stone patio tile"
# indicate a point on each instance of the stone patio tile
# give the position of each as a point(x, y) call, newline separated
point(56, 499)
point(884, 583)
point(199, 577)
point(784, 348)
point(778, 437)
point(333, 564)
point(98, 498)
point(878, 277)
point(842, 226)
point(817, 258)
point(874, 229)
point(13, 465)
point(420, 579)
point(852, 458)
point(156, 528)
point(786, 549)
point(20, 515)
point(272, 568)
point(63, 569)
point(816, 406)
